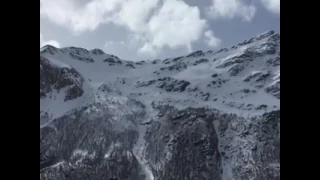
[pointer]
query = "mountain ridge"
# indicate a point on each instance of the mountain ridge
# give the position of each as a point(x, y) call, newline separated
point(205, 115)
point(197, 75)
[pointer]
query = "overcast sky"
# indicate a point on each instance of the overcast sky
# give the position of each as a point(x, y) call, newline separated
point(150, 29)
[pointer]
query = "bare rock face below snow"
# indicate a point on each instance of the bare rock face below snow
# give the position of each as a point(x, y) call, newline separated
point(87, 144)
point(183, 144)
point(55, 78)
point(250, 147)
point(204, 116)
point(95, 142)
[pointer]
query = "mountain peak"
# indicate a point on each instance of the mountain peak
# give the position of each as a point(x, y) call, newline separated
point(263, 36)
point(49, 47)
point(267, 34)
point(97, 51)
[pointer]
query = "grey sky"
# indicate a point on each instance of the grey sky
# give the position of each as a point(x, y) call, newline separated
point(168, 28)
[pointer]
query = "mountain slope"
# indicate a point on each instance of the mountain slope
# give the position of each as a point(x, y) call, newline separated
point(243, 79)
point(102, 117)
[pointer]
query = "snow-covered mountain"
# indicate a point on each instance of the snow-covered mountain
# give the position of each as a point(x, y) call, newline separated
point(215, 113)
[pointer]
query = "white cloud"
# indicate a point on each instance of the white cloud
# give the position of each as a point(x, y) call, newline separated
point(148, 49)
point(211, 40)
point(134, 14)
point(229, 9)
point(174, 25)
point(113, 43)
point(272, 5)
point(156, 23)
point(124, 49)
point(79, 18)
point(49, 42)
point(116, 48)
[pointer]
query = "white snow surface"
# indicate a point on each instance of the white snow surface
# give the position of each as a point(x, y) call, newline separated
point(229, 97)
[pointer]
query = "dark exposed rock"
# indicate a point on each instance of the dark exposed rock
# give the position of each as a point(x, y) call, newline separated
point(48, 76)
point(274, 89)
point(271, 50)
point(260, 107)
point(80, 58)
point(77, 50)
point(80, 54)
point(167, 83)
point(192, 89)
point(173, 85)
point(190, 135)
point(178, 67)
point(73, 93)
point(110, 60)
point(214, 75)
point(57, 78)
point(177, 58)
point(274, 61)
point(97, 52)
point(130, 65)
point(196, 54)
point(165, 79)
point(140, 63)
point(236, 69)
point(239, 137)
point(91, 149)
point(88, 144)
point(113, 59)
point(204, 96)
point(270, 34)
point(266, 35)
point(223, 49)
point(263, 77)
point(246, 90)
point(105, 88)
point(155, 61)
point(246, 42)
point(240, 60)
point(166, 61)
point(200, 61)
point(257, 77)
point(145, 84)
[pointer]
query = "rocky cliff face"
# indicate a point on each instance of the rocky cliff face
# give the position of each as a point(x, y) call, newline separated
point(57, 78)
point(207, 115)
